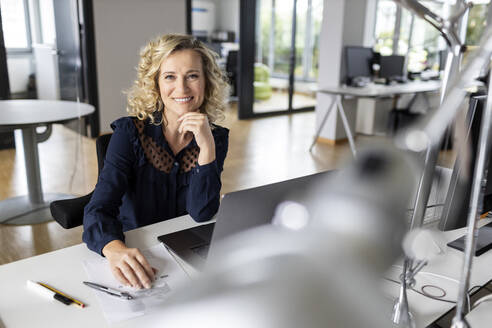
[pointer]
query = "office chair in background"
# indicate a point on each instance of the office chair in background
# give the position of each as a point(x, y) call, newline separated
point(69, 213)
point(232, 70)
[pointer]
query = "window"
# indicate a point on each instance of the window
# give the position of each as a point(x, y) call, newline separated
point(416, 38)
point(385, 27)
point(309, 18)
point(47, 16)
point(274, 37)
point(15, 22)
point(477, 20)
point(426, 43)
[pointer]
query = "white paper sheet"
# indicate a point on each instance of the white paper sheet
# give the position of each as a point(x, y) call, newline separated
point(169, 276)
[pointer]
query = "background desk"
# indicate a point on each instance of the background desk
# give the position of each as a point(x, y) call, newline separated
point(20, 307)
point(27, 115)
point(372, 91)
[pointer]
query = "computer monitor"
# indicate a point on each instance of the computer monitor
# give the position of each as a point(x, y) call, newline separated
point(392, 68)
point(455, 212)
point(358, 61)
point(215, 47)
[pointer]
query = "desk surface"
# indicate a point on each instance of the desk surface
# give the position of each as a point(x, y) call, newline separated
point(449, 265)
point(380, 90)
point(28, 112)
point(64, 270)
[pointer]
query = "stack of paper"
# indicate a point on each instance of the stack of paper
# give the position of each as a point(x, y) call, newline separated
point(168, 277)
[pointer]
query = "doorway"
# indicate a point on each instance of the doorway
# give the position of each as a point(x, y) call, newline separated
point(278, 56)
point(50, 51)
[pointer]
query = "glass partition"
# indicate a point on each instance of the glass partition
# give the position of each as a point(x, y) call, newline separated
point(285, 67)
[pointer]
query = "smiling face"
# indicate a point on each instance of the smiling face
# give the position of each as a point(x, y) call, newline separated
point(182, 83)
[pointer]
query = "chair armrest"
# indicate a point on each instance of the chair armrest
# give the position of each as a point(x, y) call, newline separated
point(69, 213)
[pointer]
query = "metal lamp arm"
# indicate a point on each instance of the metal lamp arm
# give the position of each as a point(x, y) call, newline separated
point(433, 128)
point(427, 15)
point(445, 28)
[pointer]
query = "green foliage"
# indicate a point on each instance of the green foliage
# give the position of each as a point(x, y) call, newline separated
point(282, 39)
point(476, 23)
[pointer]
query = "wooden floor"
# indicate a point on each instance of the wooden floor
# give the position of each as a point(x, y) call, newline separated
point(261, 151)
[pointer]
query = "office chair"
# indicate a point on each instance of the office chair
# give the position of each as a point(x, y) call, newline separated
point(232, 70)
point(69, 213)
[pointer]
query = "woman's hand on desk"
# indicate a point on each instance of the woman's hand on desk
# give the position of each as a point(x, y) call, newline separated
point(128, 265)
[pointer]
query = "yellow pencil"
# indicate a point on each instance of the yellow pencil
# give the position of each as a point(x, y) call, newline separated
point(76, 302)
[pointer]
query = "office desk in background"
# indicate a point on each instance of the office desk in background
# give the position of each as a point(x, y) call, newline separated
point(371, 91)
point(27, 115)
point(63, 269)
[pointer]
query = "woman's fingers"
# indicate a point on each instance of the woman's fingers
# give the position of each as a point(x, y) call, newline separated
point(196, 120)
point(197, 123)
point(191, 120)
point(192, 127)
point(146, 266)
point(119, 276)
point(142, 279)
point(191, 114)
point(129, 274)
point(133, 269)
point(141, 269)
point(128, 265)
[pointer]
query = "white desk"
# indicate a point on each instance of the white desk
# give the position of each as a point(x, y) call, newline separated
point(27, 115)
point(64, 270)
point(382, 91)
point(426, 310)
point(373, 91)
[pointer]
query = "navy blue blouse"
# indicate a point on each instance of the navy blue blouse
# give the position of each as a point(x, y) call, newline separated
point(143, 182)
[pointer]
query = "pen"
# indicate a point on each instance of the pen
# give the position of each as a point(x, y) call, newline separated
point(108, 290)
point(50, 292)
point(75, 301)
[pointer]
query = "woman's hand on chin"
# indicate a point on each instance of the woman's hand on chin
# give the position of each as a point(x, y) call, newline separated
point(197, 123)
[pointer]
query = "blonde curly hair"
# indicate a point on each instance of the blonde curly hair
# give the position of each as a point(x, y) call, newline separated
point(144, 99)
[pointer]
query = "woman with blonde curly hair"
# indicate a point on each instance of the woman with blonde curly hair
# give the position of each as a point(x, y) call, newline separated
point(165, 159)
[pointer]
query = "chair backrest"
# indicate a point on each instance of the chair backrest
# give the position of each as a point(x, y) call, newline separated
point(232, 62)
point(69, 213)
point(102, 143)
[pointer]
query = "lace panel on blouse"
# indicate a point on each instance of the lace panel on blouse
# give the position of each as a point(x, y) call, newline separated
point(160, 158)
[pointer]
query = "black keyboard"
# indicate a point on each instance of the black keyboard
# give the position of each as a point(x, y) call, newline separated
point(201, 251)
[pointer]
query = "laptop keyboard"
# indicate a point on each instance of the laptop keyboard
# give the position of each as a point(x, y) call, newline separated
point(201, 251)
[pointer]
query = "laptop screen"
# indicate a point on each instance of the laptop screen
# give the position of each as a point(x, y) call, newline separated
point(239, 211)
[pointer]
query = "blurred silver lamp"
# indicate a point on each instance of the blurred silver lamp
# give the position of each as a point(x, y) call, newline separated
point(428, 135)
point(448, 28)
point(318, 266)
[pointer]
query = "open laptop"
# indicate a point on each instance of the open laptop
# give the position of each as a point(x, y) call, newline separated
point(238, 211)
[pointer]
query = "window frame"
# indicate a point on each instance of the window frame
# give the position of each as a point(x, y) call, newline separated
point(397, 35)
point(307, 53)
point(397, 26)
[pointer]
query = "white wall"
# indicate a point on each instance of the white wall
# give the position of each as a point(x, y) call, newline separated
point(122, 28)
point(331, 40)
point(203, 17)
point(19, 68)
point(227, 15)
point(345, 22)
